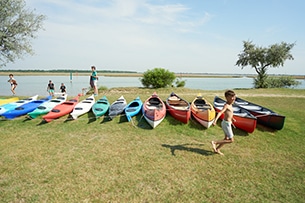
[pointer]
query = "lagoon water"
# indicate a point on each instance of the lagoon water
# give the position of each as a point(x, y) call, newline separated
point(32, 85)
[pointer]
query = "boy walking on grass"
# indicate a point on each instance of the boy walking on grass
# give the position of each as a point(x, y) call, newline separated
point(226, 122)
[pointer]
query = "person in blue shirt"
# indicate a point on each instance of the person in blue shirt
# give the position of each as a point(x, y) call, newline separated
point(93, 80)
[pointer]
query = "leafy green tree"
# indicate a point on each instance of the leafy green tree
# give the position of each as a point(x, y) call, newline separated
point(17, 27)
point(261, 58)
point(158, 78)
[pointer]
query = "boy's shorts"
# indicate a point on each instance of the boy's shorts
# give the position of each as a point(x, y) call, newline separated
point(227, 129)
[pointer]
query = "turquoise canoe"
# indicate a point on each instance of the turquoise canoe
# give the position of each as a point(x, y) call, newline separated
point(100, 107)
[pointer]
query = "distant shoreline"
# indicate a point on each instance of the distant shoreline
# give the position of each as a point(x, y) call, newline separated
point(116, 74)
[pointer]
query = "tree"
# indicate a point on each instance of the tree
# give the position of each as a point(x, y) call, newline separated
point(18, 26)
point(158, 78)
point(261, 59)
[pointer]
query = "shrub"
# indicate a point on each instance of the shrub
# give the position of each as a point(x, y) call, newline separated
point(158, 78)
point(180, 83)
point(277, 82)
point(282, 82)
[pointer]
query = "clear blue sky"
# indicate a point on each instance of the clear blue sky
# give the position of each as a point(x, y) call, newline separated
point(179, 35)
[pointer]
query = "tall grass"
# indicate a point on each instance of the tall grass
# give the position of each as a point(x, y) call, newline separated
point(88, 160)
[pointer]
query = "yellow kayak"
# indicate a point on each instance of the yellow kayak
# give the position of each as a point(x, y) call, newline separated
point(8, 100)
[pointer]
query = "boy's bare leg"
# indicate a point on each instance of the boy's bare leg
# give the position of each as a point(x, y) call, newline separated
point(214, 146)
point(13, 91)
point(219, 152)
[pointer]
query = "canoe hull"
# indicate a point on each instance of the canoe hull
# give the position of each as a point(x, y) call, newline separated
point(154, 110)
point(61, 109)
point(244, 119)
point(100, 107)
point(25, 108)
point(8, 100)
point(178, 108)
point(83, 107)
point(11, 106)
point(264, 116)
point(117, 107)
point(47, 106)
point(133, 108)
point(203, 111)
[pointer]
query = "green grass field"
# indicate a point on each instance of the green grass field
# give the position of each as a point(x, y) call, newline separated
point(89, 160)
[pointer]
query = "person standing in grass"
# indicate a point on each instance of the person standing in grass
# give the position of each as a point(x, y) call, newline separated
point(51, 88)
point(226, 123)
point(93, 80)
point(13, 83)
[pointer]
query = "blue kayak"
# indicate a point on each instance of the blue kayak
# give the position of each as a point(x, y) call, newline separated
point(25, 108)
point(133, 108)
point(11, 106)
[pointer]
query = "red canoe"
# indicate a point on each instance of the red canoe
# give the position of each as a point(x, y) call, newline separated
point(61, 109)
point(264, 116)
point(154, 110)
point(244, 119)
point(178, 108)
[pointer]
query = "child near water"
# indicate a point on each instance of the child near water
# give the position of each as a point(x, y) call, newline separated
point(51, 88)
point(13, 83)
point(226, 122)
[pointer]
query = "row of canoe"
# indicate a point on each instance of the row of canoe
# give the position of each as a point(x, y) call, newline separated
point(154, 110)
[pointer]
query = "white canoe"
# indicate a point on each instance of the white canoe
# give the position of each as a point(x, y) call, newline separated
point(83, 107)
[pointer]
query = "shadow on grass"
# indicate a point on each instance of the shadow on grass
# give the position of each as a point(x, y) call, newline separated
point(42, 122)
point(172, 121)
point(106, 119)
point(91, 117)
point(70, 118)
point(123, 118)
point(263, 128)
point(194, 124)
point(27, 118)
point(188, 148)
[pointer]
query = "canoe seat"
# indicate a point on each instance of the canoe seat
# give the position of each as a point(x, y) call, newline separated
point(241, 103)
point(251, 107)
point(240, 114)
point(203, 107)
point(218, 104)
point(152, 107)
point(98, 109)
point(153, 101)
point(173, 100)
point(264, 112)
point(181, 107)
